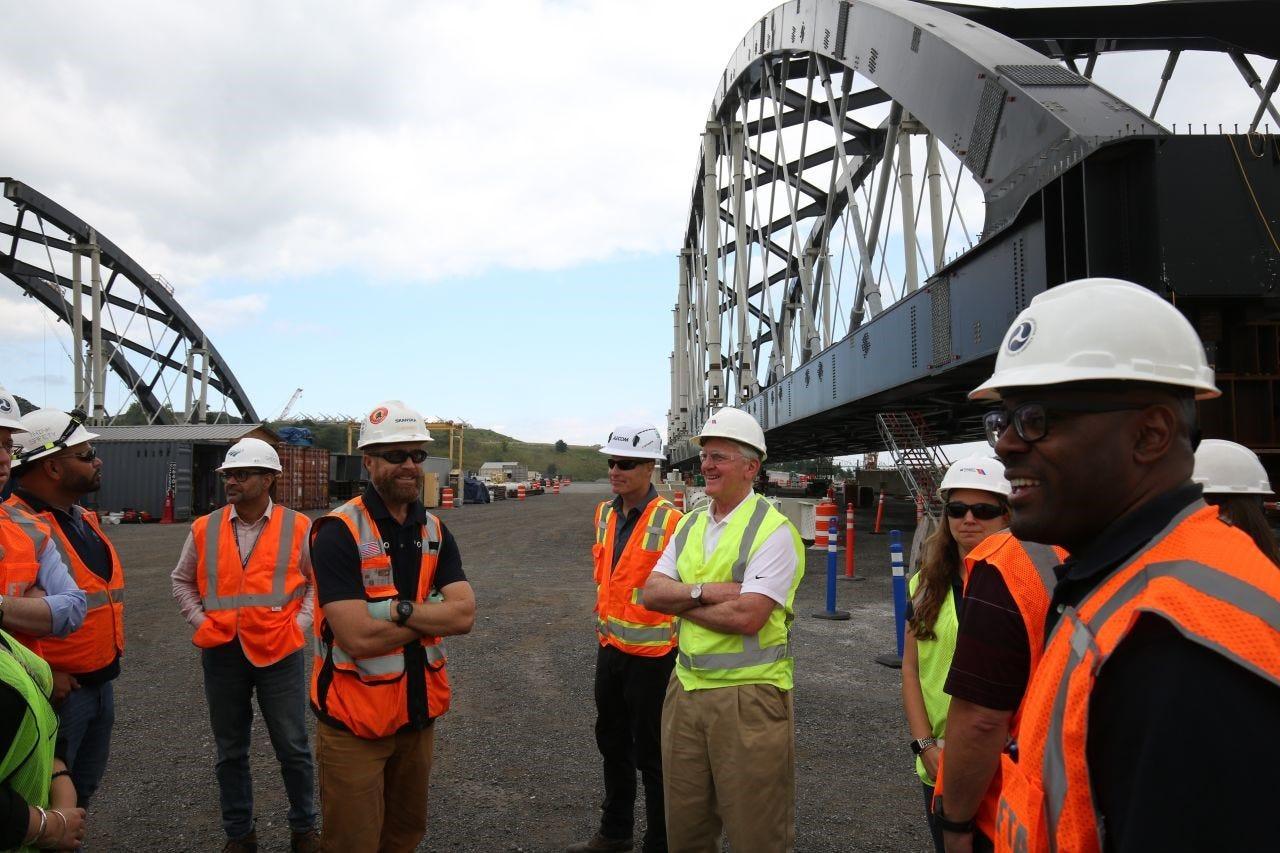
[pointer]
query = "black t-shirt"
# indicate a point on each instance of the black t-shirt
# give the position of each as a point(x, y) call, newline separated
point(1181, 743)
point(335, 561)
point(992, 662)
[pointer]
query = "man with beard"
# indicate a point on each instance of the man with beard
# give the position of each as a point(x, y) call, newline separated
point(58, 467)
point(38, 597)
point(243, 583)
point(1146, 722)
point(390, 584)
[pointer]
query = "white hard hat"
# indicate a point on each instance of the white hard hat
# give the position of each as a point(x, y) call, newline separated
point(1100, 328)
point(976, 472)
point(634, 441)
point(9, 412)
point(251, 453)
point(48, 431)
point(736, 425)
point(1227, 468)
point(390, 423)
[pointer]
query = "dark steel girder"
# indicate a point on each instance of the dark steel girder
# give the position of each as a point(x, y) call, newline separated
point(51, 298)
point(1251, 26)
point(856, 100)
point(112, 257)
point(28, 270)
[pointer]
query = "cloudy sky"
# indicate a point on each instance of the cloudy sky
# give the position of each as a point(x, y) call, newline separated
point(475, 206)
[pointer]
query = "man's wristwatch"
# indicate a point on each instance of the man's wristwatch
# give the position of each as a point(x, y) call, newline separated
point(921, 744)
point(404, 609)
point(696, 593)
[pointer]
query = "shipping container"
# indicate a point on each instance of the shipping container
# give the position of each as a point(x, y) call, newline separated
point(304, 479)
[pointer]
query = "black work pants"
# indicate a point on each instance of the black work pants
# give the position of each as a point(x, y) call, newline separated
point(629, 692)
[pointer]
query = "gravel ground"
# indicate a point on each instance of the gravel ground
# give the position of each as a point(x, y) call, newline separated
point(516, 764)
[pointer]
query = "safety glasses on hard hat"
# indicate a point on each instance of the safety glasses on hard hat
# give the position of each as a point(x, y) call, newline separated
point(1031, 420)
point(76, 419)
point(397, 457)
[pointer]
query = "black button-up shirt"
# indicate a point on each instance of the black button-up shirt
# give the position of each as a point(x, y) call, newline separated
point(624, 524)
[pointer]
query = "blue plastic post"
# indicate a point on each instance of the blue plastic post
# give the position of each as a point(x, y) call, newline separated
point(833, 541)
point(899, 598)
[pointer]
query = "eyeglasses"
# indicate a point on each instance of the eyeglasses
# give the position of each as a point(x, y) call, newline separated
point(982, 512)
point(11, 449)
point(719, 458)
point(240, 475)
point(88, 456)
point(626, 464)
point(1031, 420)
point(397, 457)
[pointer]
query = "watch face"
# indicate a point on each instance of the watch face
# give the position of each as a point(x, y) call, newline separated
point(404, 609)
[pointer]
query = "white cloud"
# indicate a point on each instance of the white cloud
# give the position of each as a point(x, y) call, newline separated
point(24, 319)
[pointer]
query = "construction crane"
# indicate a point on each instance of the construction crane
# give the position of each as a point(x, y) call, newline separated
point(288, 407)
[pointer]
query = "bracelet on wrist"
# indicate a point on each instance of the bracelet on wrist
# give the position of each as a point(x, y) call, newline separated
point(44, 822)
point(60, 773)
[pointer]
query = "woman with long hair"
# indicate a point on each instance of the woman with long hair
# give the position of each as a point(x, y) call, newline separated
point(1235, 482)
point(976, 496)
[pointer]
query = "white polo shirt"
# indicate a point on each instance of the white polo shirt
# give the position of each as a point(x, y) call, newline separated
point(770, 571)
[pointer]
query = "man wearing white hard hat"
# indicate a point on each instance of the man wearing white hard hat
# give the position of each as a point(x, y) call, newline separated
point(38, 596)
point(243, 583)
point(57, 467)
point(1235, 482)
point(637, 645)
point(390, 585)
point(1149, 714)
point(730, 574)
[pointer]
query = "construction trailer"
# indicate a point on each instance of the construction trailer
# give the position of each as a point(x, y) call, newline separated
point(139, 463)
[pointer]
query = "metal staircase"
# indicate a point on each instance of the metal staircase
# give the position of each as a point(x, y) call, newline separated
point(917, 457)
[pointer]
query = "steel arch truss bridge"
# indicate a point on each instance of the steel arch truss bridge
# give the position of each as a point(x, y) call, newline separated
point(882, 185)
point(121, 317)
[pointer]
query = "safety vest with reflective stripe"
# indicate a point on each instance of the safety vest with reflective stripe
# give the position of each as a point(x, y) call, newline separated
point(22, 538)
point(369, 696)
point(710, 658)
point(622, 620)
point(1206, 578)
point(256, 597)
point(100, 638)
point(1027, 571)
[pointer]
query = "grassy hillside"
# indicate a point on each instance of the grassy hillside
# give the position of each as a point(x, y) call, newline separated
point(484, 445)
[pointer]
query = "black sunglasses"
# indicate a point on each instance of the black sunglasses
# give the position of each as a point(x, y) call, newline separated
point(1031, 420)
point(982, 512)
point(397, 457)
point(88, 456)
point(626, 464)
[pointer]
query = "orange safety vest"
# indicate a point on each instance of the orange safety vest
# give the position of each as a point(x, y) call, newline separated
point(256, 597)
point(1205, 577)
point(622, 620)
point(369, 696)
point(22, 538)
point(1027, 571)
point(100, 638)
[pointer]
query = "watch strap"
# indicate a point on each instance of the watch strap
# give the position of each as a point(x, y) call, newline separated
point(947, 825)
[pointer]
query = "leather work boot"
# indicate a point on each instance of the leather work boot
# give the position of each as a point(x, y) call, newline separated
point(305, 842)
point(600, 844)
point(248, 844)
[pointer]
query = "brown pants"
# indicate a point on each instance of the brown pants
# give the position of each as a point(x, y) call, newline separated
point(728, 761)
point(373, 793)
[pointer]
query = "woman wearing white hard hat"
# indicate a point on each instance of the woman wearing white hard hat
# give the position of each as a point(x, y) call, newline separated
point(1235, 482)
point(977, 505)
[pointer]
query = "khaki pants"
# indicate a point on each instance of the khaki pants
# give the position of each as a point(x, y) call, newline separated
point(728, 760)
point(373, 793)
